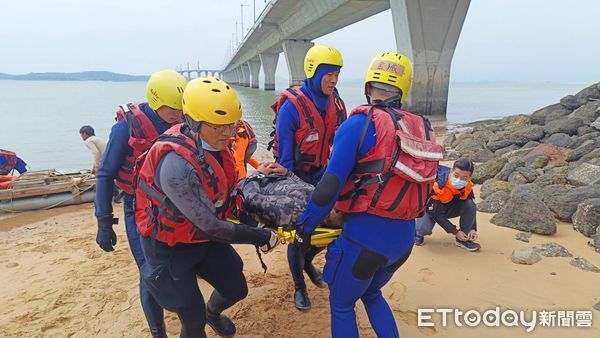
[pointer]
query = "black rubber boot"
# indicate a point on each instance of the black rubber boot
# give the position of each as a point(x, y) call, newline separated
point(315, 275)
point(301, 299)
point(158, 332)
point(221, 324)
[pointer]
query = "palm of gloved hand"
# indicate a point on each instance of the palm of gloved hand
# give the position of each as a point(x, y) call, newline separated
point(106, 236)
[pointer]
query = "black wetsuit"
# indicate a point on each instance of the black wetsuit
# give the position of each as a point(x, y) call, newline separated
point(171, 272)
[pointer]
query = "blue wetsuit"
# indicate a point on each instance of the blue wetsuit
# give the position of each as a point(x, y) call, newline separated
point(117, 150)
point(365, 237)
point(287, 123)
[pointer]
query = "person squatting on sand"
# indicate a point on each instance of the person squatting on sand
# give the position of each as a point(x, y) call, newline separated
point(137, 125)
point(183, 202)
point(381, 192)
point(305, 123)
point(452, 196)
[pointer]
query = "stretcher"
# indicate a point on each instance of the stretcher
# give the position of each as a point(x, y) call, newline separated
point(321, 236)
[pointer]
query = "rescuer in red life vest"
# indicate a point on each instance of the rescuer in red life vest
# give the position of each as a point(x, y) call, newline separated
point(306, 120)
point(137, 125)
point(183, 201)
point(382, 166)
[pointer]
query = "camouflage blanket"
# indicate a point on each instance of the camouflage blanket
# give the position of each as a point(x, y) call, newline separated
point(275, 200)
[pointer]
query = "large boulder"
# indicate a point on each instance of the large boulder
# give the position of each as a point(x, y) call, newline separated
point(596, 124)
point(483, 135)
point(563, 201)
point(516, 154)
point(461, 138)
point(487, 170)
point(587, 217)
point(491, 186)
point(587, 113)
point(579, 140)
point(594, 154)
point(591, 92)
point(509, 168)
point(585, 148)
point(538, 161)
point(450, 138)
point(572, 102)
point(530, 174)
point(525, 211)
point(597, 240)
point(517, 178)
point(584, 174)
point(515, 121)
point(494, 203)
point(475, 150)
point(539, 116)
point(584, 130)
point(565, 125)
point(558, 114)
point(517, 135)
point(502, 151)
point(554, 153)
point(551, 176)
point(559, 139)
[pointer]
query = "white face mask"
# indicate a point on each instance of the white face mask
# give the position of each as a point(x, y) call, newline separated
point(457, 182)
point(207, 146)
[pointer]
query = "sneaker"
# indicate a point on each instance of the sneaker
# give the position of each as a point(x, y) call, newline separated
point(221, 324)
point(419, 240)
point(468, 245)
point(301, 300)
point(316, 277)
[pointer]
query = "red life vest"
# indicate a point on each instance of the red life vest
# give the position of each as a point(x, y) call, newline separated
point(141, 135)
point(314, 137)
point(394, 178)
point(447, 193)
point(155, 214)
point(9, 164)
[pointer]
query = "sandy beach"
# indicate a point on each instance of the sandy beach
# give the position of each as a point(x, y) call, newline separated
point(58, 283)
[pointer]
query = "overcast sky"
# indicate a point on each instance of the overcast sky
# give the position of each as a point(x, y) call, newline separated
point(501, 40)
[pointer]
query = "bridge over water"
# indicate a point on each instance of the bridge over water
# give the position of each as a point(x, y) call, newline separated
point(427, 30)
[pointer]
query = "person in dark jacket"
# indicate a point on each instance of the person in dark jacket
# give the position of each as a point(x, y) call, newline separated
point(137, 125)
point(452, 196)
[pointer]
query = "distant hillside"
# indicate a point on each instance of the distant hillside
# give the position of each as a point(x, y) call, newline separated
point(80, 76)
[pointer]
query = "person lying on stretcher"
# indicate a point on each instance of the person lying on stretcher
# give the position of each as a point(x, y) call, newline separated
point(277, 200)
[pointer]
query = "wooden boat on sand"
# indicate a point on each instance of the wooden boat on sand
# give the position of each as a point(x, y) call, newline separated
point(37, 190)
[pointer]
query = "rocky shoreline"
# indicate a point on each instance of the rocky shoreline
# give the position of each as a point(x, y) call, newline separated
point(540, 167)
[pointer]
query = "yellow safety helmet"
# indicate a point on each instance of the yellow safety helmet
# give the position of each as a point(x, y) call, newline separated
point(391, 68)
point(165, 88)
point(208, 99)
point(318, 55)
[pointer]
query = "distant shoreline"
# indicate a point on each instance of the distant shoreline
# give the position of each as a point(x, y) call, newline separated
point(78, 76)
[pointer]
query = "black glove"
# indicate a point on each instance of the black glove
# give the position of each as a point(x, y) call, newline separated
point(302, 239)
point(106, 236)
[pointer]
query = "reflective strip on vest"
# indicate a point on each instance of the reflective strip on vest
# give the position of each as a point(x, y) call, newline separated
point(411, 173)
point(407, 147)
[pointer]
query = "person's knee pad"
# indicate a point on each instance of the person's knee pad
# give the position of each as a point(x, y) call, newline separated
point(367, 263)
point(326, 189)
